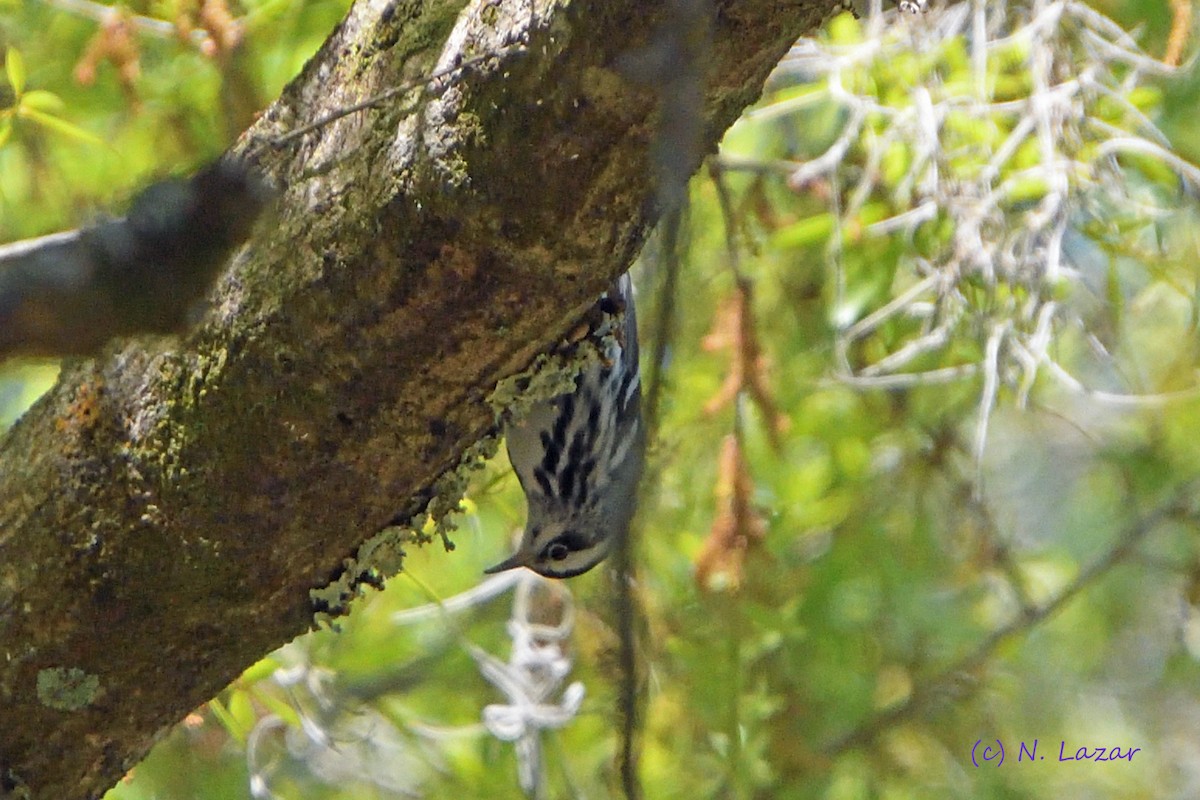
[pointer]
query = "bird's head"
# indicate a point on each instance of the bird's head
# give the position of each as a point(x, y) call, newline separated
point(560, 546)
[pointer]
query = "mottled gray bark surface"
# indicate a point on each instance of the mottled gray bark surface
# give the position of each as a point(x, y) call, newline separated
point(167, 508)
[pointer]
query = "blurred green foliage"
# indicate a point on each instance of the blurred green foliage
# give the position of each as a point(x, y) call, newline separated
point(908, 598)
point(185, 108)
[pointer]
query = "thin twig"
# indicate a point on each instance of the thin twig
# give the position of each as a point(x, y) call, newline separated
point(388, 94)
point(725, 202)
point(1181, 28)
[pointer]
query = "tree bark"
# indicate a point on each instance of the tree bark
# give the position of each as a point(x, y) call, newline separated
point(166, 509)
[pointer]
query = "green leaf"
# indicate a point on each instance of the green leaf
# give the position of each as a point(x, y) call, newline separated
point(260, 671)
point(807, 232)
point(41, 100)
point(14, 68)
point(279, 707)
point(5, 130)
point(222, 715)
point(241, 712)
point(60, 125)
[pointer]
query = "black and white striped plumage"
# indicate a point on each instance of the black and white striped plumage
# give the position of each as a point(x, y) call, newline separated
point(579, 458)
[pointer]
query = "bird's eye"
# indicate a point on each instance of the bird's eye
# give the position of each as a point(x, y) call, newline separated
point(557, 551)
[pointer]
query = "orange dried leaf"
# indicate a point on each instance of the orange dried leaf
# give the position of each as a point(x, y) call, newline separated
point(737, 526)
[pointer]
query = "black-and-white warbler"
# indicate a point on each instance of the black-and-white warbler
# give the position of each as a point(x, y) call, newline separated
point(579, 458)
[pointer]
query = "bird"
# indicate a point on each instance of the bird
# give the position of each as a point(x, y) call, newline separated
point(579, 457)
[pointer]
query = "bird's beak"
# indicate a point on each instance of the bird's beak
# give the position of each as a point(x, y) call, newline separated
point(517, 559)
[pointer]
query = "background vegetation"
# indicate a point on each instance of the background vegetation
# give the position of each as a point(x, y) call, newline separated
point(925, 467)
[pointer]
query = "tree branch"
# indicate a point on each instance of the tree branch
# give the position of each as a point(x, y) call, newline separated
point(69, 293)
point(166, 509)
